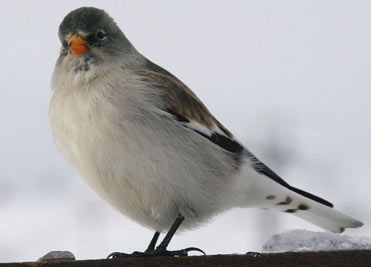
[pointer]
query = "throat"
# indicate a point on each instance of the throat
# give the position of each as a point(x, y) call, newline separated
point(84, 72)
point(83, 64)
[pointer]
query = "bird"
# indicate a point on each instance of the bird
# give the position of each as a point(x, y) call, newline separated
point(146, 144)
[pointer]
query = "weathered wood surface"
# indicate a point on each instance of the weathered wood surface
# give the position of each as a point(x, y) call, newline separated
point(332, 258)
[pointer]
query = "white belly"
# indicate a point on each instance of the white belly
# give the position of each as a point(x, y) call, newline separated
point(145, 166)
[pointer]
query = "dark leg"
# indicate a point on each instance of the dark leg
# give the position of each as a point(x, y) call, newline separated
point(160, 251)
point(178, 221)
point(152, 245)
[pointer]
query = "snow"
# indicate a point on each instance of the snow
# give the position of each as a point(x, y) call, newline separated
point(303, 240)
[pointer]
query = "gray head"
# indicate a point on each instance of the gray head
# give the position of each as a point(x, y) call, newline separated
point(90, 36)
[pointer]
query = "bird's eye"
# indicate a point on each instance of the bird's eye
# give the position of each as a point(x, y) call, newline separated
point(64, 45)
point(101, 35)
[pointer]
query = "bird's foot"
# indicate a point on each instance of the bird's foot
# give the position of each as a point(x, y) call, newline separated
point(120, 255)
point(175, 253)
point(155, 253)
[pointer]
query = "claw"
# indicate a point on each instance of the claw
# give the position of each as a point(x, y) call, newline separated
point(119, 255)
point(194, 249)
point(116, 255)
point(176, 253)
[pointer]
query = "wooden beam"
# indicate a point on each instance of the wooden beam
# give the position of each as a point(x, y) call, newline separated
point(318, 259)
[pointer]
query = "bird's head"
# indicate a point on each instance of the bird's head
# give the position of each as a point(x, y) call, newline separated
point(90, 38)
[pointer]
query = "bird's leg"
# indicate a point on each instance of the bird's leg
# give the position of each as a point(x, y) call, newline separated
point(165, 242)
point(160, 250)
point(152, 244)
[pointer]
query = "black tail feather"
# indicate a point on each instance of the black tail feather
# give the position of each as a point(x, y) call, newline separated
point(311, 196)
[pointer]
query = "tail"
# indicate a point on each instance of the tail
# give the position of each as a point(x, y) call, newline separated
point(269, 194)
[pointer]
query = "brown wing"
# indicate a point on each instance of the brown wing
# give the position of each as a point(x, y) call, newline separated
point(180, 99)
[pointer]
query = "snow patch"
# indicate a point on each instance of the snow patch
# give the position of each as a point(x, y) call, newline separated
point(303, 240)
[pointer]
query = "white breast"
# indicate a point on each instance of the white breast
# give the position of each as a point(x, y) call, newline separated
point(142, 163)
point(93, 135)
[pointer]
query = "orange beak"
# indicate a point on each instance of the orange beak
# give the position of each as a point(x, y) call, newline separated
point(77, 45)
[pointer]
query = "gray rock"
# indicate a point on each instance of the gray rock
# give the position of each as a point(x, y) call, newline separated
point(57, 256)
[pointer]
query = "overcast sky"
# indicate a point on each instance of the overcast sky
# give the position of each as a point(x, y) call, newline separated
point(291, 79)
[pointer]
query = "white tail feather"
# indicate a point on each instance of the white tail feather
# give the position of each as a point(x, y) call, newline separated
point(268, 194)
point(323, 216)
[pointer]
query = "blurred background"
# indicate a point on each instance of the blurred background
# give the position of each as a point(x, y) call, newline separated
point(291, 79)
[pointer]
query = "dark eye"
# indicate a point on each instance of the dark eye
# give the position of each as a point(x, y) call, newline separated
point(64, 44)
point(101, 35)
